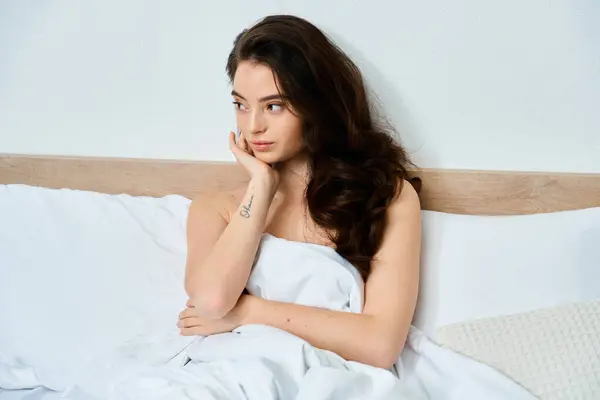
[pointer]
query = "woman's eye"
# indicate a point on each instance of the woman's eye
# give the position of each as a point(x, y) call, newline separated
point(238, 105)
point(275, 107)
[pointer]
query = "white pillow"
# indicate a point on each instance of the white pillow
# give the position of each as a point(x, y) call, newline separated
point(485, 266)
point(553, 352)
point(81, 272)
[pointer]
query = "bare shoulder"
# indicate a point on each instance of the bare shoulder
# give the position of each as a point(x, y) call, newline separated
point(406, 202)
point(403, 227)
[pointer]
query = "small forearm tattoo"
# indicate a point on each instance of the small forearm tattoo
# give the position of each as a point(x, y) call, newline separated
point(245, 211)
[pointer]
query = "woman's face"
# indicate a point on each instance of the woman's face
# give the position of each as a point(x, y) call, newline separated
point(273, 132)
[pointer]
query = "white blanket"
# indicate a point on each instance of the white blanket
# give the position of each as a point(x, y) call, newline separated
point(259, 362)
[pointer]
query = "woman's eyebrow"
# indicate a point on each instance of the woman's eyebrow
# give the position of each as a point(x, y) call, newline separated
point(262, 99)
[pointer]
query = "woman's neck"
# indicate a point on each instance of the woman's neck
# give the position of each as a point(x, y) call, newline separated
point(293, 175)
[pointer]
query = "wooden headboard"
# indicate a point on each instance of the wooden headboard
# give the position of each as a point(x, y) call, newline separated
point(456, 191)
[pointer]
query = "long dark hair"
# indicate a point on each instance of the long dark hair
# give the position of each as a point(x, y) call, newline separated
point(356, 167)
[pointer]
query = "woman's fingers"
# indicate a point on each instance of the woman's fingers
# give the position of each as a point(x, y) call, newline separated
point(232, 144)
point(245, 158)
point(191, 326)
point(242, 142)
point(241, 155)
point(249, 149)
point(187, 313)
point(195, 331)
point(236, 148)
point(189, 322)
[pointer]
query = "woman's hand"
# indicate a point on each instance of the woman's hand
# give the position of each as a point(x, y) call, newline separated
point(190, 324)
point(257, 169)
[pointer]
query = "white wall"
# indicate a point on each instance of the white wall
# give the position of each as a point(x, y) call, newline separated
point(493, 85)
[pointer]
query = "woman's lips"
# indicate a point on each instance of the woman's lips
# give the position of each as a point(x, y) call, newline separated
point(261, 146)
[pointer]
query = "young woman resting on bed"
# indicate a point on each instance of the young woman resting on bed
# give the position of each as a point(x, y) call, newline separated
point(322, 171)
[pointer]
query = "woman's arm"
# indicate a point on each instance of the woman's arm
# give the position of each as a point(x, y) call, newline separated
point(221, 253)
point(221, 248)
point(376, 336)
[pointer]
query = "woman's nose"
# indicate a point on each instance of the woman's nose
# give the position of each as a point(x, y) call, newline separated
point(256, 123)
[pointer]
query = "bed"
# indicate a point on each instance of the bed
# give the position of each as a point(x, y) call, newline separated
point(510, 277)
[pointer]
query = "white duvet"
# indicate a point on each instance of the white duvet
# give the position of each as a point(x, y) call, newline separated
point(261, 363)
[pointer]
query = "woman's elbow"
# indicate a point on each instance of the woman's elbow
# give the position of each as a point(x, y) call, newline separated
point(383, 357)
point(210, 304)
point(385, 350)
point(386, 361)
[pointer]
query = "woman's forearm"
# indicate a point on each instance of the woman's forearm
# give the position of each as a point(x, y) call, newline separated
point(355, 337)
point(215, 285)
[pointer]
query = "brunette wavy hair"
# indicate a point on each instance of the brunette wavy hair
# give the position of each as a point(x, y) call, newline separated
point(356, 167)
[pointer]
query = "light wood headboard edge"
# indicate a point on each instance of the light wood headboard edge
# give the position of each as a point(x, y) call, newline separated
point(447, 190)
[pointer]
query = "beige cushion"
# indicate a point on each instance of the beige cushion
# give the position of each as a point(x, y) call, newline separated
point(553, 352)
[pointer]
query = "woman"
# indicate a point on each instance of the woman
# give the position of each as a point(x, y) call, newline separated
point(321, 171)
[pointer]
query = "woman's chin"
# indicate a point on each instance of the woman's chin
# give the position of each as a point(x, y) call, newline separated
point(268, 158)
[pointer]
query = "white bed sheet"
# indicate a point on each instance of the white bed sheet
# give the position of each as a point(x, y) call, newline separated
point(261, 362)
point(30, 394)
